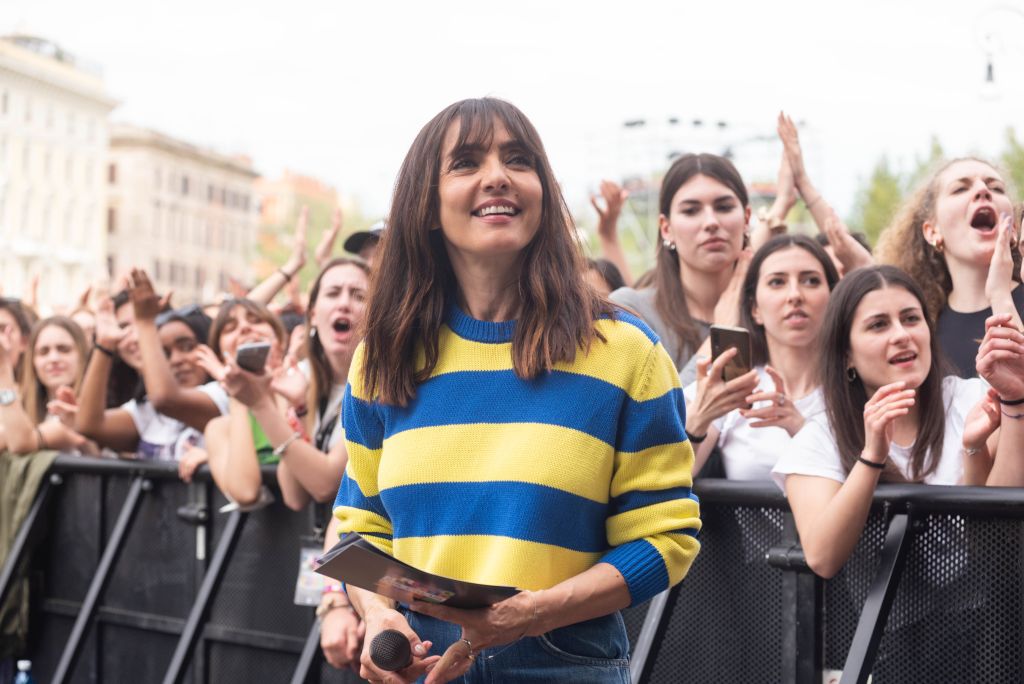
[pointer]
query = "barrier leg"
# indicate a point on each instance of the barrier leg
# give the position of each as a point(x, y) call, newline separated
point(26, 532)
point(100, 579)
point(864, 647)
point(207, 591)
point(652, 634)
point(309, 658)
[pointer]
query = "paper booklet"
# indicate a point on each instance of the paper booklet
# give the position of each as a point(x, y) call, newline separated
point(355, 561)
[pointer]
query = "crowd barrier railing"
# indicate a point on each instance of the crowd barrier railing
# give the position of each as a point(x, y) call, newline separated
point(137, 577)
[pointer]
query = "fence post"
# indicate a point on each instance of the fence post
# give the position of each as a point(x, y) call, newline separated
point(26, 533)
point(100, 579)
point(801, 609)
point(864, 647)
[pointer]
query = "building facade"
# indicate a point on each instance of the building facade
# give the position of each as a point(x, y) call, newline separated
point(187, 215)
point(53, 157)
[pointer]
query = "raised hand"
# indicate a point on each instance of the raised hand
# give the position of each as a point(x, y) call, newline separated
point(1000, 359)
point(108, 333)
point(850, 253)
point(880, 413)
point(297, 259)
point(323, 250)
point(727, 310)
point(982, 421)
point(1000, 269)
point(614, 197)
point(64, 405)
point(246, 387)
point(791, 146)
point(146, 302)
point(289, 382)
point(204, 357)
point(780, 411)
point(716, 397)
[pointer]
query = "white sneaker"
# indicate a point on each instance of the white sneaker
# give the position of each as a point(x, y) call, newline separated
point(262, 501)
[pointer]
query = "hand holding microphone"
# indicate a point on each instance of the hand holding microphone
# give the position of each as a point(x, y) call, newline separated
point(390, 651)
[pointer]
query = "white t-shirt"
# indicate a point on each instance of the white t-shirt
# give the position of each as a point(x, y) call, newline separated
point(162, 438)
point(814, 450)
point(749, 453)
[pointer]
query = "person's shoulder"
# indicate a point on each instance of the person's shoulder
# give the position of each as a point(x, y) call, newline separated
point(627, 324)
point(632, 298)
point(961, 394)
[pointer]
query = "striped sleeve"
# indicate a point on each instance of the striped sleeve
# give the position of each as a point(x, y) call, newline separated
point(358, 506)
point(654, 517)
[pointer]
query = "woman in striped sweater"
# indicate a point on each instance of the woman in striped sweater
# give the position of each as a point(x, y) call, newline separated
point(505, 425)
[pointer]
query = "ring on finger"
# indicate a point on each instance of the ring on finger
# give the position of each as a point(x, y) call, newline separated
point(781, 400)
point(469, 645)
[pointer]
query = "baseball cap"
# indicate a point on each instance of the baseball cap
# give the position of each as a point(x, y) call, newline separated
point(355, 242)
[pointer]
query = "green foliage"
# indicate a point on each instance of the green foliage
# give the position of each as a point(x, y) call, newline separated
point(1012, 161)
point(877, 201)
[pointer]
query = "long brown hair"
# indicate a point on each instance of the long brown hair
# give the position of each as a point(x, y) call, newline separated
point(255, 308)
point(748, 295)
point(33, 393)
point(414, 281)
point(669, 297)
point(845, 398)
point(321, 377)
point(902, 243)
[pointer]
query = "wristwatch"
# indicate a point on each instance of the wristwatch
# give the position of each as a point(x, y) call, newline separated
point(8, 397)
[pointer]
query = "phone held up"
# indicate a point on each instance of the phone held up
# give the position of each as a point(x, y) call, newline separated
point(252, 356)
point(724, 337)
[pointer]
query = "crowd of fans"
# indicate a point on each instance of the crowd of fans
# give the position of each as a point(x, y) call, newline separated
point(905, 365)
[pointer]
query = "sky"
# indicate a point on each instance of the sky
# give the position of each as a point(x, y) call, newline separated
point(338, 89)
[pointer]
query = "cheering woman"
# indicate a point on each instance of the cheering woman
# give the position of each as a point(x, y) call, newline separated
point(507, 426)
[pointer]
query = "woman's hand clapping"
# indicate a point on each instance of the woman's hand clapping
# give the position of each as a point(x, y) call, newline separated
point(880, 413)
point(779, 413)
point(1000, 359)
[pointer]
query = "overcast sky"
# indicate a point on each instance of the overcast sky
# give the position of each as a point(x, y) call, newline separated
point(337, 89)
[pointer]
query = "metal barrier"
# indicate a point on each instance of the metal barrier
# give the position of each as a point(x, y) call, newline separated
point(136, 579)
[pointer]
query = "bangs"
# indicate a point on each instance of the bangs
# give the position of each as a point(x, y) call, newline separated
point(476, 119)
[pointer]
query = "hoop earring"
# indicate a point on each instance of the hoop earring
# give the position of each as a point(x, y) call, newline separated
point(671, 246)
point(851, 374)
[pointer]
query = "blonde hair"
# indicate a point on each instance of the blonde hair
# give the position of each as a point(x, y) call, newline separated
point(902, 243)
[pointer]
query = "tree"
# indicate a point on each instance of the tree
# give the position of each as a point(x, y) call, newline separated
point(877, 201)
point(1012, 160)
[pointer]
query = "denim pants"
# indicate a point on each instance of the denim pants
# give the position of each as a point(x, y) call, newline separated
point(595, 651)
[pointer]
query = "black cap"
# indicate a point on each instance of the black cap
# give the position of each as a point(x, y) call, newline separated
point(355, 242)
point(193, 316)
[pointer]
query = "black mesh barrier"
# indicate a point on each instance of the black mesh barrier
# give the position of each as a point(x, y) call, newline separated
point(725, 625)
point(956, 616)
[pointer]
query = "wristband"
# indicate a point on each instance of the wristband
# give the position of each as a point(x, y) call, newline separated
point(1015, 402)
point(871, 464)
point(696, 439)
point(279, 451)
point(100, 347)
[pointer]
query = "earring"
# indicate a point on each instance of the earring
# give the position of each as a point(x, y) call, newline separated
point(851, 374)
point(937, 245)
point(312, 332)
point(671, 246)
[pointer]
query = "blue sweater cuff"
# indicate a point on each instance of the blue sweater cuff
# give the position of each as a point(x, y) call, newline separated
point(642, 567)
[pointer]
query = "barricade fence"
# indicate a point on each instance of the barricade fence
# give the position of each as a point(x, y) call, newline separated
point(136, 577)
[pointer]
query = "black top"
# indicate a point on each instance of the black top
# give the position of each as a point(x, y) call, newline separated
point(960, 334)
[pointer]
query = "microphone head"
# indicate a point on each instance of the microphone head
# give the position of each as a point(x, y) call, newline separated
point(390, 651)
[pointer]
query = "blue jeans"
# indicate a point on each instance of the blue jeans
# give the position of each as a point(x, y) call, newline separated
point(595, 651)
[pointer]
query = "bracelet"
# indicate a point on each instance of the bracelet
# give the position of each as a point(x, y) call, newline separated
point(287, 277)
point(1015, 402)
point(696, 439)
point(970, 451)
point(279, 451)
point(326, 607)
point(871, 464)
point(40, 443)
point(100, 347)
point(332, 588)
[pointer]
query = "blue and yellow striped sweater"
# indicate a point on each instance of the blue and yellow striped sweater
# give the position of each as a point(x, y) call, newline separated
point(489, 478)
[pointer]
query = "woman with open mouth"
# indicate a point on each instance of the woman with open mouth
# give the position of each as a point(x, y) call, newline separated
point(753, 418)
point(957, 237)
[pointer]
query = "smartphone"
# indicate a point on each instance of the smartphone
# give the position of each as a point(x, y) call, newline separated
point(252, 356)
point(725, 337)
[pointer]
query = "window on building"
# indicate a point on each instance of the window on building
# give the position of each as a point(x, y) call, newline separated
point(5, 102)
point(49, 118)
point(47, 159)
point(111, 220)
point(26, 156)
point(28, 110)
point(71, 123)
point(158, 272)
point(209, 193)
point(184, 185)
point(112, 174)
point(199, 277)
point(110, 265)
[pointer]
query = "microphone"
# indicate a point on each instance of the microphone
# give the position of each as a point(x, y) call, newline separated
point(390, 651)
